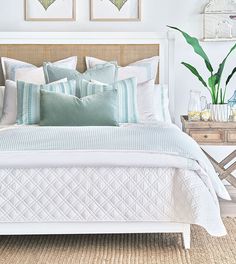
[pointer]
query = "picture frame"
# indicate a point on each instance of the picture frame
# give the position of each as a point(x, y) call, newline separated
point(57, 10)
point(130, 10)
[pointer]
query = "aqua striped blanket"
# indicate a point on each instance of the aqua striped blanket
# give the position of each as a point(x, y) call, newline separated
point(161, 139)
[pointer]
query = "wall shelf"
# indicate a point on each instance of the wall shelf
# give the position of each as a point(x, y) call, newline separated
point(218, 39)
point(220, 21)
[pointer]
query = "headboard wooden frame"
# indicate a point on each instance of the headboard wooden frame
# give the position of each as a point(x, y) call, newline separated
point(37, 47)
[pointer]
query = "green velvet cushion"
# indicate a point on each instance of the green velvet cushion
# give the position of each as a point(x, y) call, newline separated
point(103, 73)
point(65, 110)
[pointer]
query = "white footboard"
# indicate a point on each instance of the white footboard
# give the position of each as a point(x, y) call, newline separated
point(186, 236)
point(96, 228)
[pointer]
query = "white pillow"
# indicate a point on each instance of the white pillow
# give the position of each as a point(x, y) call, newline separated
point(161, 103)
point(2, 88)
point(143, 70)
point(15, 70)
point(146, 108)
point(153, 102)
point(9, 112)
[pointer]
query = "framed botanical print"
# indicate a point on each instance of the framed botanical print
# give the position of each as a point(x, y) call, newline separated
point(50, 10)
point(115, 10)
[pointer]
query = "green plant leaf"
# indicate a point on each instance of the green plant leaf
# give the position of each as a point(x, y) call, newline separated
point(227, 82)
point(221, 96)
point(222, 65)
point(195, 72)
point(219, 74)
point(212, 82)
point(230, 76)
point(196, 46)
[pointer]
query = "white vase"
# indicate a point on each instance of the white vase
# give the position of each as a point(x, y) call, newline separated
point(219, 112)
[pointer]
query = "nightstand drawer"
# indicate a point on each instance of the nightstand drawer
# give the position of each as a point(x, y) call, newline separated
point(232, 136)
point(208, 137)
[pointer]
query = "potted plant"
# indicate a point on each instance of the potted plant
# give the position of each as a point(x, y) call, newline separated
point(214, 83)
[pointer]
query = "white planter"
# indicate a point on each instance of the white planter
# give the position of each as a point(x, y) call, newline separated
point(219, 112)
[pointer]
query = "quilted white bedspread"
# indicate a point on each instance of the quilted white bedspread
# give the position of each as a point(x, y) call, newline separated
point(79, 184)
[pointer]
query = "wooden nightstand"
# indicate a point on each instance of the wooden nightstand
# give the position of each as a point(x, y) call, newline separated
point(219, 134)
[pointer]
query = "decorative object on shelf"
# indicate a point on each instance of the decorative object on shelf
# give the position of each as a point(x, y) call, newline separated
point(206, 111)
point(115, 10)
point(50, 10)
point(214, 83)
point(224, 30)
point(232, 106)
point(220, 20)
point(198, 109)
point(219, 112)
point(206, 115)
point(194, 106)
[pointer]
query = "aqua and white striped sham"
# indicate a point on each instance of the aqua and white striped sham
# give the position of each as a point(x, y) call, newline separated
point(161, 103)
point(16, 70)
point(127, 96)
point(28, 99)
point(2, 88)
point(144, 70)
point(89, 88)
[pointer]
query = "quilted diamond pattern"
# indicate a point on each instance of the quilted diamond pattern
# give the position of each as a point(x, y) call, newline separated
point(98, 194)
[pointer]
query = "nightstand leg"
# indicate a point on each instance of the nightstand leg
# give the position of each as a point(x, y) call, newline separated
point(224, 174)
point(228, 159)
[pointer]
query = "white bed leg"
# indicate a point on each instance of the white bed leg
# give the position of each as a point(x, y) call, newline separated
point(186, 236)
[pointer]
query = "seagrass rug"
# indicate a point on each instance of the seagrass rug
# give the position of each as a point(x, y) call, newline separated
point(114, 249)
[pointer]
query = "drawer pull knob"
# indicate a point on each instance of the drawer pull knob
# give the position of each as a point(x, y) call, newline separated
point(206, 136)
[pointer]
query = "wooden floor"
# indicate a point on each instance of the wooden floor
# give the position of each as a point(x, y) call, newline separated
point(228, 208)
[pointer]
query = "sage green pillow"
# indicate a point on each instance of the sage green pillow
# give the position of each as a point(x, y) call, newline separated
point(103, 73)
point(65, 110)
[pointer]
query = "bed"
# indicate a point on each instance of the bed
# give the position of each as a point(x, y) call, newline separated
point(84, 180)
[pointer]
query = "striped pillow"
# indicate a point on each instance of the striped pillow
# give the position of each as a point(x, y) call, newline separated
point(28, 99)
point(143, 70)
point(16, 70)
point(127, 96)
point(2, 89)
point(161, 99)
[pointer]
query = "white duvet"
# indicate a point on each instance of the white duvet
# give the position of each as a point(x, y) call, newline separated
point(192, 183)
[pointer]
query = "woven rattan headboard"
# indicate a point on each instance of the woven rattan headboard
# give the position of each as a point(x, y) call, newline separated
point(38, 53)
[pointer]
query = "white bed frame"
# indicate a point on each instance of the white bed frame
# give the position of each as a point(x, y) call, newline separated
point(167, 42)
point(97, 228)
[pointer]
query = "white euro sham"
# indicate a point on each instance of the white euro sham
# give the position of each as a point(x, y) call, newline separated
point(16, 70)
point(144, 70)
